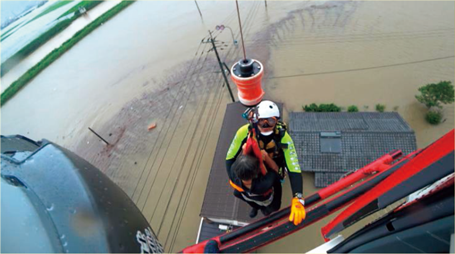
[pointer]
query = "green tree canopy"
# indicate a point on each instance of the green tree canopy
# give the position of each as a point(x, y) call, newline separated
point(432, 95)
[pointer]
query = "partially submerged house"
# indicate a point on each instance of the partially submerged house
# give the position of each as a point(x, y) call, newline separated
point(333, 144)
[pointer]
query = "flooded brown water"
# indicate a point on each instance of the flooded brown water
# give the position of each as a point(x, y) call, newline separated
point(365, 53)
point(134, 71)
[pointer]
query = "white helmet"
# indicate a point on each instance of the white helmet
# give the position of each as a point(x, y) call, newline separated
point(267, 109)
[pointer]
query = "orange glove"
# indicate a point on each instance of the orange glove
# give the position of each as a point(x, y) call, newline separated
point(298, 213)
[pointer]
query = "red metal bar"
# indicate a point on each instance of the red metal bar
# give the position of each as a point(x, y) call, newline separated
point(434, 152)
point(328, 207)
point(374, 167)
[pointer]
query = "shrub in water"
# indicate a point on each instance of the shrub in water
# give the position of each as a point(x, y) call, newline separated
point(329, 108)
point(353, 108)
point(380, 107)
point(313, 107)
point(433, 117)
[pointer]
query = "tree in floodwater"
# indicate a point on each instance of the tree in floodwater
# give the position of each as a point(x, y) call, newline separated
point(433, 96)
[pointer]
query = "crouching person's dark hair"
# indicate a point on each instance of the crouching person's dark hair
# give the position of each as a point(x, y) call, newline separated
point(246, 167)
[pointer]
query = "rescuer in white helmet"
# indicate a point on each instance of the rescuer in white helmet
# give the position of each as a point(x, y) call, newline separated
point(275, 142)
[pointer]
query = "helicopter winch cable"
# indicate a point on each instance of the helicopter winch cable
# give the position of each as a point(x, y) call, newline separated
point(241, 32)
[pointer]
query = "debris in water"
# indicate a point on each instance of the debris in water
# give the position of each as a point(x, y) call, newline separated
point(50, 208)
point(152, 126)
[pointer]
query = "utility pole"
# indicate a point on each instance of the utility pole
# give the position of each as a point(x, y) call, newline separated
point(265, 3)
point(221, 66)
point(107, 143)
point(198, 8)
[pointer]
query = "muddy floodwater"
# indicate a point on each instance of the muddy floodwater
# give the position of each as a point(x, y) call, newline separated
point(150, 64)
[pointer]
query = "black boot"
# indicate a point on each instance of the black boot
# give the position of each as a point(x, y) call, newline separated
point(253, 212)
point(267, 210)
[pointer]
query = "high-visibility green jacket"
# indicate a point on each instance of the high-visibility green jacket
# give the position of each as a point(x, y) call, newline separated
point(284, 154)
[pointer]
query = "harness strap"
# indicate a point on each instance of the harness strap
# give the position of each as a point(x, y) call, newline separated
point(252, 148)
point(240, 189)
point(236, 187)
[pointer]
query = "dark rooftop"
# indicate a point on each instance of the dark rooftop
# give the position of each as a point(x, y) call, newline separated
point(332, 144)
point(219, 200)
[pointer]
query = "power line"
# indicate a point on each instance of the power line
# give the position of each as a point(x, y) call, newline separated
point(198, 159)
point(359, 69)
point(168, 129)
point(178, 121)
point(173, 164)
point(181, 91)
point(183, 86)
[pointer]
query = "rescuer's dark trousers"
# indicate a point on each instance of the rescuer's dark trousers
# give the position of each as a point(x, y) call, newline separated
point(276, 202)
